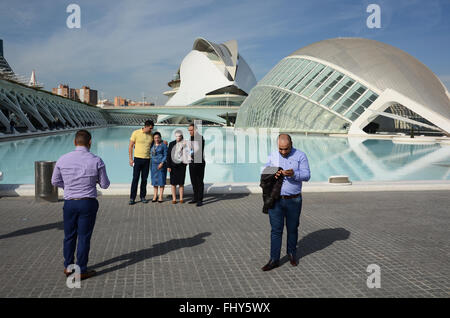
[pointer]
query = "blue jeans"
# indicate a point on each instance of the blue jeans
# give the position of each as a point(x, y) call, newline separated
point(284, 210)
point(79, 221)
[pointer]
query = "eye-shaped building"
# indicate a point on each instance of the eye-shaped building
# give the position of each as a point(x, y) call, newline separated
point(348, 85)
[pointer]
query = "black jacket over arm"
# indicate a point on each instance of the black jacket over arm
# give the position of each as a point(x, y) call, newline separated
point(271, 187)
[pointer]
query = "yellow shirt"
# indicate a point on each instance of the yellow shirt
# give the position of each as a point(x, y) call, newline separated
point(142, 143)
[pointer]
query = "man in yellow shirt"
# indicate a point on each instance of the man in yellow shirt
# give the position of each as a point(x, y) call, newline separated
point(140, 140)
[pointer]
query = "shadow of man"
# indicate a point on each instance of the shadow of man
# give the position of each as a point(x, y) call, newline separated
point(317, 241)
point(221, 197)
point(155, 250)
point(34, 229)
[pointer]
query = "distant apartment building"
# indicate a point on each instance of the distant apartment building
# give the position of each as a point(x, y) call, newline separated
point(119, 101)
point(87, 95)
point(84, 94)
point(62, 90)
point(73, 94)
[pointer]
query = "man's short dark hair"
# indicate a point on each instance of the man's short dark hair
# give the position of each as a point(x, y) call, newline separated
point(149, 123)
point(192, 125)
point(82, 137)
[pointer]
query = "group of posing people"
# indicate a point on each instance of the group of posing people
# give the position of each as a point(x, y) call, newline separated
point(78, 173)
point(154, 155)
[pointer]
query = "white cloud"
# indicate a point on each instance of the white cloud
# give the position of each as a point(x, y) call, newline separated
point(133, 48)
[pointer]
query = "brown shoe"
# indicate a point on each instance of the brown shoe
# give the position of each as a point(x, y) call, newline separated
point(174, 202)
point(88, 274)
point(67, 273)
point(293, 260)
point(271, 265)
point(181, 201)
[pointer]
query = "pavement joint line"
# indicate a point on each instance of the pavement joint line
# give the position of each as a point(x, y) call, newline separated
point(117, 189)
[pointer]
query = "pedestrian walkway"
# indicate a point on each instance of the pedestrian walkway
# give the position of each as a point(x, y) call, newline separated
point(217, 250)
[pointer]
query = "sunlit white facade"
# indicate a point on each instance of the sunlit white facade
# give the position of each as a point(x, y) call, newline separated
point(211, 74)
point(348, 85)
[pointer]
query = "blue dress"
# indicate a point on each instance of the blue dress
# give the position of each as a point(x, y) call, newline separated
point(159, 154)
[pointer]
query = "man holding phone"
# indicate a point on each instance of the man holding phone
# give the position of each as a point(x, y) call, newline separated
point(295, 169)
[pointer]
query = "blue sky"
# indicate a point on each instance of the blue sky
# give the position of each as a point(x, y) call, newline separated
point(128, 48)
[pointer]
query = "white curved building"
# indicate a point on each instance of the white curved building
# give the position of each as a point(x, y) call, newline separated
point(211, 74)
point(348, 85)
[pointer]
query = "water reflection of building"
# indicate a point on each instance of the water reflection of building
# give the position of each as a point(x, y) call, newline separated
point(360, 159)
point(348, 85)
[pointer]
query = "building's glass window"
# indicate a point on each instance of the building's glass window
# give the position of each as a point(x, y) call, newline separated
point(350, 98)
point(278, 79)
point(361, 105)
point(309, 78)
point(338, 91)
point(317, 82)
point(327, 86)
point(295, 69)
point(299, 77)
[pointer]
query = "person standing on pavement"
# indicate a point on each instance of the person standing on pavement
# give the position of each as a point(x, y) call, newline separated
point(141, 140)
point(176, 165)
point(294, 169)
point(158, 167)
point(197, 164)
point(78, 173)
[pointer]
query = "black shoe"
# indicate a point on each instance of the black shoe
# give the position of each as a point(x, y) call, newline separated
point(199, 203)
point(131, 202)
point(293, 259)
point(271, 265)
point(144, 200)
point(192, 202)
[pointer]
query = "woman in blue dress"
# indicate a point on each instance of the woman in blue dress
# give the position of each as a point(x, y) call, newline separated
point(158, 166)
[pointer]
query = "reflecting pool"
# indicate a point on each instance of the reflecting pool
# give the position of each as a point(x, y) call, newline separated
point(237, 156)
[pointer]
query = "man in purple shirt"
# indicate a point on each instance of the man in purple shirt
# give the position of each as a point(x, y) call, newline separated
point(295, 169)
point(78, 173)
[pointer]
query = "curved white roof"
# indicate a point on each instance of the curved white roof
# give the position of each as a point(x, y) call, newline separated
point(201, 74)
point(228, 52)
point(383, 66)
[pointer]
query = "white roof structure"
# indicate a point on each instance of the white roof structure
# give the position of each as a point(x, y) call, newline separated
point(354, 80)
point(211, 74)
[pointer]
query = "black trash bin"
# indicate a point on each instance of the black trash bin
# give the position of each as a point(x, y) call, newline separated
point(43, 188)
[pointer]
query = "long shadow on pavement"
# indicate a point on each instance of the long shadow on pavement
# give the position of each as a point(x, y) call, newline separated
point(155, 250)
point(34, 229)
point(221, 197)
point(317, 241)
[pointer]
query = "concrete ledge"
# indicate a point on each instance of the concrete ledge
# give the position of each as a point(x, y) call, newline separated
point(43, 133)
point(415, 140)
point(14, 190)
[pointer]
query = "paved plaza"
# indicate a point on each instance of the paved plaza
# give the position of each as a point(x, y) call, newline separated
point(217, 250)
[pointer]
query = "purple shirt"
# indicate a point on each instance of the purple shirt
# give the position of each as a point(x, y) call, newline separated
point(297, 161)
point(78, 173)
